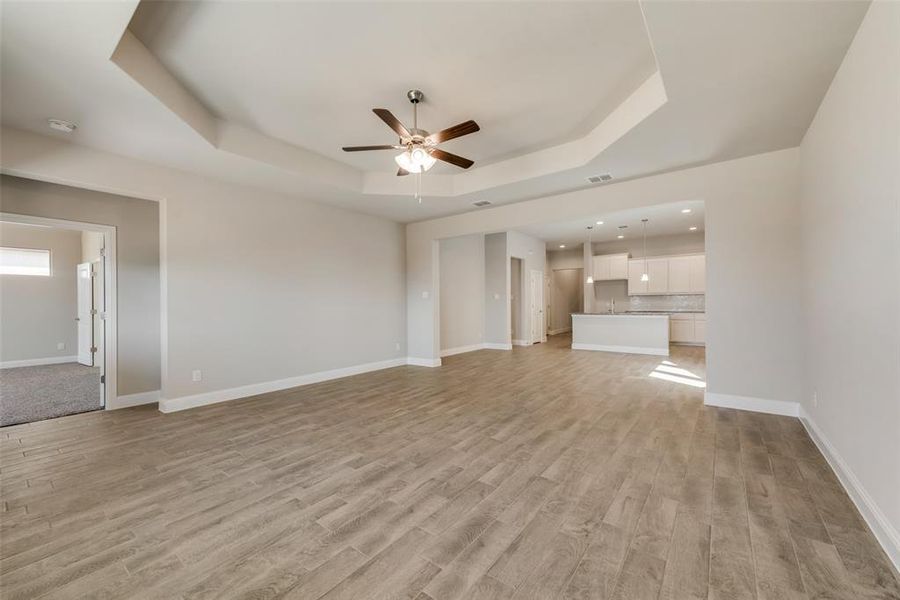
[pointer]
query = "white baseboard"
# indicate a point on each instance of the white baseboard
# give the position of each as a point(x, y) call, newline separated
point(493, 346)
point(151, 397)
point(622, 349)
point(168, 405)
point(462, 349)
point(521, 343)
point(36, 362)
point(763, 405)
point(422, 362)
point(559, 331)
point(884, 532)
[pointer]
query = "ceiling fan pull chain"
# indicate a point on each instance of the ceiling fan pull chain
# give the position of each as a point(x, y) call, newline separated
point(419, 187)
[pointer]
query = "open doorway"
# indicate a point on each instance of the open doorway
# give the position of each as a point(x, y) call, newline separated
point(517, 335)
point(56, 315)
point(567, 297)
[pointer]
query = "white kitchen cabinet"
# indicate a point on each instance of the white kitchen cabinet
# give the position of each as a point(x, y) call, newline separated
point(680, 274)
point(658, 270)
point(700, 329)
point(635, 285)
point(668, 275)
point(697, 274)
point(610, 266)
point(681, 330)
point(687, 328)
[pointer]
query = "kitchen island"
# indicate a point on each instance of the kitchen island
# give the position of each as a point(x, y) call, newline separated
point(627, 333)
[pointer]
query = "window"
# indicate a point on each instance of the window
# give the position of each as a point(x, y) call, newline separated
point(24, 261)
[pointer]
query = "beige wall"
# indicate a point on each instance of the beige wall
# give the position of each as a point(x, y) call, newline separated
point(462, 291)
point(659, 245)
point(566, 288)
point(850, 173)
point(137, 232)
point(37, 313)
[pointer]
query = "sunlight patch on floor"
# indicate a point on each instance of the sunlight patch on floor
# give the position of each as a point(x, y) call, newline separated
point(669, 371)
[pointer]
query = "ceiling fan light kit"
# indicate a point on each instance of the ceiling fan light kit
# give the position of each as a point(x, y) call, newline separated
point(420, 151)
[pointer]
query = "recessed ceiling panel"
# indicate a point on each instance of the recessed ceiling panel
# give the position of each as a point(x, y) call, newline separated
point(532, 75)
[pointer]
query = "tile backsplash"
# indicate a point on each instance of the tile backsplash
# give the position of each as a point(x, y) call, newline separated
point(685, 302)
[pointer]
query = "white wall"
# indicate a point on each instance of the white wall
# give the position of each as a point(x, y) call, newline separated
point(258, 286)
point(137, 255)
point(462, 291)
point(753, 307)
point(37, 313)
point(850, 173)
point(658, 245)
point(570, 258)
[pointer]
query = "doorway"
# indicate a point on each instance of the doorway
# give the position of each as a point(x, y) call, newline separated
point(567, 297)
point(517, 335)
point(58, 318)
point(536, 306)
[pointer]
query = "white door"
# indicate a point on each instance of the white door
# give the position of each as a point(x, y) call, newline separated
point(85, 316)
point(537, 306)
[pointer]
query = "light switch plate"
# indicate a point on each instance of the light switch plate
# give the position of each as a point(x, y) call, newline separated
point(61, 346)
point(425, 295)
point(196, 375)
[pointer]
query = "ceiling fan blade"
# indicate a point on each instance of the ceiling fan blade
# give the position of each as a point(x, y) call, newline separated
point(392, 122)
point(364, 148)
point(454, 132)
point(453, 159)
point(401, 172)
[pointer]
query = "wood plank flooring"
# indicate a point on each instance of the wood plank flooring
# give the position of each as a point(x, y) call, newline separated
point(538, 473)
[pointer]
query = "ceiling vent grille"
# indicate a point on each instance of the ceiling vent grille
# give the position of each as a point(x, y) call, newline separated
point(481, 203)
point(602, 178)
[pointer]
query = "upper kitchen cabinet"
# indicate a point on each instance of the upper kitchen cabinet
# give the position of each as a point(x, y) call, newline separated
point(657, 272)
point(610, 266)
point(668, 275)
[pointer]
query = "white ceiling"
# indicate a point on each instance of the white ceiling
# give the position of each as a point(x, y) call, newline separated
point(740, 78)
point(310, 73)
point(664, 219)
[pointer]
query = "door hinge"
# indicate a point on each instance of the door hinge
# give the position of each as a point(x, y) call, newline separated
point(93, 348)
point(103, 379)
point(102, 251)
point(93, 311)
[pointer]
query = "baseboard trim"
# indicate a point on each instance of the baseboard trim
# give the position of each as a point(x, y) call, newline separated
point(423, 362)
point(884, 532)
point(493, 346)
point(521, 343)
point(37, 362)
point(559, 331)
point(168, 405)
point(621, 349)
point(761, 405)
point(130, 400)
point(461, 349)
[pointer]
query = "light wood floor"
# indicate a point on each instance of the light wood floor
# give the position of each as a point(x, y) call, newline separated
point(537, 473)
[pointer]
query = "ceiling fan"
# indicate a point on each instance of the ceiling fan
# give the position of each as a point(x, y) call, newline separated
point(420, 150)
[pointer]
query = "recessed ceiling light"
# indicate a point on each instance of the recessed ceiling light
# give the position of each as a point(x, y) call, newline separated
point(685, 210)
point(562, 245)
point(599, 222)
point(621, 237)
point(693, 229)
point(60, 125)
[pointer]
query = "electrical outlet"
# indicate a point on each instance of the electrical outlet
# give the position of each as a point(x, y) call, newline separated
point(61, 346)
point(815, 399)
point(197, 375)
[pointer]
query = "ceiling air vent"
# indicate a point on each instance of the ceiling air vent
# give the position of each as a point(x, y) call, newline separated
point(481, 203)
point(603, 178)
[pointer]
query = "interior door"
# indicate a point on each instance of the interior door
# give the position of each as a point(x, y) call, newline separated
point(537, 306)
point(85, 315)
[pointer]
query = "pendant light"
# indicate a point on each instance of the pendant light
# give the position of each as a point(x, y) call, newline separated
point(590, 277)
point(644, 275)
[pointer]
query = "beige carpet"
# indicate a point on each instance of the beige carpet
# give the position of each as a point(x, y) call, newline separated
point(29, 394)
